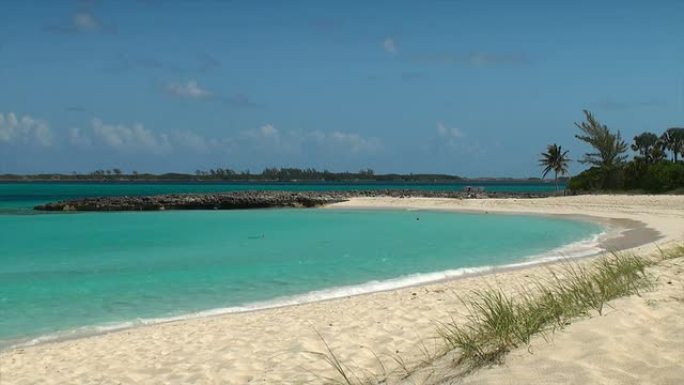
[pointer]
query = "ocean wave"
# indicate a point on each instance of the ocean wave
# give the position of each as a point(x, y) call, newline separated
point(583, 248)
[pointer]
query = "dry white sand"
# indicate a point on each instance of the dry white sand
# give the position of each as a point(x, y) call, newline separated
point(640, 341)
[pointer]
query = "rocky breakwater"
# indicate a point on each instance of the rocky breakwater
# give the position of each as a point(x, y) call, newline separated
point(224, 201)
point(250, 200)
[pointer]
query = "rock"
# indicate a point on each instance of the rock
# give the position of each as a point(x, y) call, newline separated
point(250, 200)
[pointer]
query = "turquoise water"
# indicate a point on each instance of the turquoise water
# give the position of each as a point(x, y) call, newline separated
point(73, 273)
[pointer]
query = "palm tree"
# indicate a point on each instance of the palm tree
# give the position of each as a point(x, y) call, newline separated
point(649, 147)
point(673, 139)
point(610, 147)
point(556, 160)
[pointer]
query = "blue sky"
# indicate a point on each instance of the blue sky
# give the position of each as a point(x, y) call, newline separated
point(473, 88)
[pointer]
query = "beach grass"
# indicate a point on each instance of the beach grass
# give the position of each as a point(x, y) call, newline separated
point(497, 321)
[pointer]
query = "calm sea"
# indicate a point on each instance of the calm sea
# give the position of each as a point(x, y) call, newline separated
point(77, 273)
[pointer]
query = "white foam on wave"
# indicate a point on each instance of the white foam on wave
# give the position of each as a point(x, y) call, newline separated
point(583, 248)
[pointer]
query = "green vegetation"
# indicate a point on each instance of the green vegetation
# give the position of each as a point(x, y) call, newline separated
point(673, 140)
point(556, 160)
point(497, 322)
point(610, 148)
point(268, 175)
point(229, 175)
point(649, 170)
point(649, 147)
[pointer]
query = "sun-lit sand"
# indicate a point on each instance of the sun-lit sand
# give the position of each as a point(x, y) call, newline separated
point(640, 340)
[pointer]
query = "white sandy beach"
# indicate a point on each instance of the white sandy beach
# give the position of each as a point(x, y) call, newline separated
point(640, 341)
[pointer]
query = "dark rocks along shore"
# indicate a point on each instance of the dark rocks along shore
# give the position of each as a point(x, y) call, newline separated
point(253, 199)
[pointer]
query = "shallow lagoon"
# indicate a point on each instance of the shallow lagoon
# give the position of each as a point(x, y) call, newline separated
point(62, 272)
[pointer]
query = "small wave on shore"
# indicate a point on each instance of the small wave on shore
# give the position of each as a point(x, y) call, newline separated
point(580, 249)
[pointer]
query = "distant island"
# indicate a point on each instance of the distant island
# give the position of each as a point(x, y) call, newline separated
point(268, 175)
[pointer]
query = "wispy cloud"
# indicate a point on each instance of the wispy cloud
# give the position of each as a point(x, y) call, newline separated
point(121, 137)
point(267, 138)
point(190, 89)
point(617, 105)
point(299, 141)
point(390, 46)
point(452, 140)
point(412, 75)
point(265, 141)
point(123, 63)
point(75, 108)
point(351, 142)
point(450, 135)
point(79, 138)
point(82, 21)
point(135, 138)
point(474, 58)
point(197, 143)
point(208, 62)
point(326, 24)
point(239, 101)
point(24, 130)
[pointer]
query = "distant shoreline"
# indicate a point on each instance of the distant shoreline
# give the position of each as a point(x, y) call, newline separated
point(399, 181)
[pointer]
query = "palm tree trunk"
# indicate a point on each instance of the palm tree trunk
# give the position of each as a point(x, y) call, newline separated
point(556, 178)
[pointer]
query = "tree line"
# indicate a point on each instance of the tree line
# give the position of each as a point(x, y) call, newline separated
point(655, 166)
point(271, 174)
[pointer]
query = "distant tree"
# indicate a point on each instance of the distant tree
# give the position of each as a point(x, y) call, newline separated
point(117, 171)
point(556, 160)
point(366, 173)
point(610, 148)
point(649, 147)
point(673, 140)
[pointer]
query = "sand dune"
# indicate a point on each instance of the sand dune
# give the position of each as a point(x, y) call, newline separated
point(640, 341)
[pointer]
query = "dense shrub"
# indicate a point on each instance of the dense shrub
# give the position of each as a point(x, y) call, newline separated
point(663, 176)
point(595, 179)
point(587, 180)
point(635, 175)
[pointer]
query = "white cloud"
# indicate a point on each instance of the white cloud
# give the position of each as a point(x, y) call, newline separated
point(270, 139)
point(452, 138)
point(78, 138)
point(390, 45)
point(266, 132)
point(27, 129)
point(299, 141)
point(137, 138)
point(449, 134)
point(263, 141)
point(196, 142)
point(475, 58)
point(190, 89)
point(80, 22)
point(351, 142)
point(84, 21)
point(130, 138)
